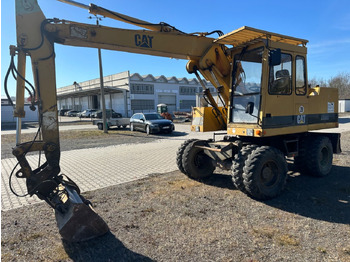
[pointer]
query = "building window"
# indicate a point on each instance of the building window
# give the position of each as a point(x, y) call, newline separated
point(142, 89)
point(188, 90)
point(142, 104)
point(187, 104)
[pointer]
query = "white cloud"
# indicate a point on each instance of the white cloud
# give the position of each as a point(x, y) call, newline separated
point(326, 46)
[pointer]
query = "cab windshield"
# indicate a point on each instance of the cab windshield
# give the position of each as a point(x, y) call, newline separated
point(246, 86)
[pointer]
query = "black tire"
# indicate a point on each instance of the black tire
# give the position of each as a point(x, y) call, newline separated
point(180, 152)
point(238, 163)
point(132, 127)
point(100, 126)
point(265, 173)
point(320, 152)
point(196, 163)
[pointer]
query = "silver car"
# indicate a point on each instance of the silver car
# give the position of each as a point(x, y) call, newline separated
point(87, 113)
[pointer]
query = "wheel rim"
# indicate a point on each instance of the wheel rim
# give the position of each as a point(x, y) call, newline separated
point(324, 157)
point(147, 129)
point(201, 160)
point(269, 174)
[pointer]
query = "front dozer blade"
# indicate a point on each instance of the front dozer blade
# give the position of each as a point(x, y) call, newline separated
point(77, 221)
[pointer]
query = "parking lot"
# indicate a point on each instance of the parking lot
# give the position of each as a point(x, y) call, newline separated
point(99, 167)
point(94, 168)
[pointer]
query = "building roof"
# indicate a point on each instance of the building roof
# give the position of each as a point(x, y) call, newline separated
point(118, 83)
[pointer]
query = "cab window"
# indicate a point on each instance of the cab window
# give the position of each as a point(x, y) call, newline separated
point(280, 80)
point(246, 87)
point(300, 79)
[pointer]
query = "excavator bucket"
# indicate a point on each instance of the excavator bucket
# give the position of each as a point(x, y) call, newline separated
point(76, 220)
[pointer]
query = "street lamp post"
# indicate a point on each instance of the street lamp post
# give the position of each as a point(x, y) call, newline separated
point(104, 117)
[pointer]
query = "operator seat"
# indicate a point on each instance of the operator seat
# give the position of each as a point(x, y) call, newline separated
point(281, 85)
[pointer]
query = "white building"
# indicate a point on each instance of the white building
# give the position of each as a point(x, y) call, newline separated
point(7, 112)
point(127, 94)
point(344, 105)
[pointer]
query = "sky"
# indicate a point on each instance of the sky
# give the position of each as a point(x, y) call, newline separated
point(326, 24)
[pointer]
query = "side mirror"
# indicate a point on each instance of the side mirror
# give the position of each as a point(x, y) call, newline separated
point(142, 119)
point(249, 108)
point(275, 57)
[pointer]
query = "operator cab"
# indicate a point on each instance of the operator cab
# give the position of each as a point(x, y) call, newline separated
point(269, 94)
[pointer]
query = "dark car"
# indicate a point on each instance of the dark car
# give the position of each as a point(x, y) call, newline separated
point(110, 113)
point(63, 111)
point(151, 123)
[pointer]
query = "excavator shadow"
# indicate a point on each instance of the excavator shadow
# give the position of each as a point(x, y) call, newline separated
point(326, 198)
point(104, 248)
point(220, 180)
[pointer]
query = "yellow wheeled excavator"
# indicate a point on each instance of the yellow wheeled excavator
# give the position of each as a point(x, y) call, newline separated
point(266, 106)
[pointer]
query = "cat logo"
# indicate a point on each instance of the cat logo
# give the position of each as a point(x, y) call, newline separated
point(301, 119)
point(143, 40)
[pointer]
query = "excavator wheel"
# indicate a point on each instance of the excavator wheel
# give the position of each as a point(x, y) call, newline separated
point(196, 163)
point(320, 151)
point(180, 153)
point(238, 164)
point(265, 173)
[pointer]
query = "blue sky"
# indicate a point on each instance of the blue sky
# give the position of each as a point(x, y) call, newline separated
point(326, 24)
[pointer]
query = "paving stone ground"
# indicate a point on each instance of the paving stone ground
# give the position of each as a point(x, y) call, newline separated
point(96, 168)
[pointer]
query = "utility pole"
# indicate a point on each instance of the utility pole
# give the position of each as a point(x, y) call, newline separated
point(104, 117)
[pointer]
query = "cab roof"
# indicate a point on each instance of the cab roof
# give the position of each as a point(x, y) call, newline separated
point(248, 35)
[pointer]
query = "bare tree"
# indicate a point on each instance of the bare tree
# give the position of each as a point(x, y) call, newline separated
point(318, 82)
point(342, 82)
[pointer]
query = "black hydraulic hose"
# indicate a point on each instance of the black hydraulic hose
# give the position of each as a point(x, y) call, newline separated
point(30, 93)
point(13, 170)
point(42, 31)
point(5, 82)
point(219, 32)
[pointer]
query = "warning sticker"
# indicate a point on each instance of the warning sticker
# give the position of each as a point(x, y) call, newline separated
point(330, 107)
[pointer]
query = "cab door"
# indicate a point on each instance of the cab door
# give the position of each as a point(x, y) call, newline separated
point(301, 109)
point(279, 109)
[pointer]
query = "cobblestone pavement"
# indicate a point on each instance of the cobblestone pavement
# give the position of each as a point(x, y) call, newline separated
point(96, 168)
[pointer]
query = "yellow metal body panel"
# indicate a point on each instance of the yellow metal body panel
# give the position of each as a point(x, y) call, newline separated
point(204, 119)
point(31, 40)
point(155, 43)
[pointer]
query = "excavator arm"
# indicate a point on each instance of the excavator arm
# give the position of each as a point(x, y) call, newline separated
point(36, 36)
